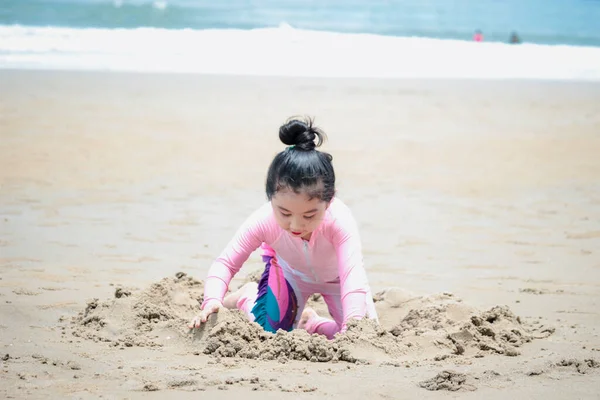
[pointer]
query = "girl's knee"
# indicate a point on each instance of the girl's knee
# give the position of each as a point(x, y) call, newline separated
point(248, 293)
point(241, 297)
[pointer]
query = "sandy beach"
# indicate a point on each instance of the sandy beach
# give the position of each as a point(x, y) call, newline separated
point(478, 203)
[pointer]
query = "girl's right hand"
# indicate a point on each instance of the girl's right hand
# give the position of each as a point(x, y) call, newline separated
point(209, 308)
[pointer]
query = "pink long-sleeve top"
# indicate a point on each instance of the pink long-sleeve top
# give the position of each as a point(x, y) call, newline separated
point(333, 254)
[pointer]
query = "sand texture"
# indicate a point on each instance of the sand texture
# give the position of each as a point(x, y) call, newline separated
point(478, 204)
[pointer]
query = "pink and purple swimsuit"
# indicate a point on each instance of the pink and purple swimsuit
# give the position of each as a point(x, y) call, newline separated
point(330, 263)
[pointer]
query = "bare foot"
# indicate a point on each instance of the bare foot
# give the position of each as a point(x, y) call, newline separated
point(306, 316)
point(230, 301)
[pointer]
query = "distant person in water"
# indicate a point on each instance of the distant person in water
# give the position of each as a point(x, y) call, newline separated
point(514, 38)
point(478, 36)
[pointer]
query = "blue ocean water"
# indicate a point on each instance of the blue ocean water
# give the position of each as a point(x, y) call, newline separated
point(560, 38)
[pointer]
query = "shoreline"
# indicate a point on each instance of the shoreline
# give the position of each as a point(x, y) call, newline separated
point(337, 79)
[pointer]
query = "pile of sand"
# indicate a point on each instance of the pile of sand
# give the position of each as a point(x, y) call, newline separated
point(229, 334)
point(141, 318)
point(427, 327)
point(449, 380)
point(441, 326)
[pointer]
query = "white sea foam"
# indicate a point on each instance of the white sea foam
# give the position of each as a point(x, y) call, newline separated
point(285, 51)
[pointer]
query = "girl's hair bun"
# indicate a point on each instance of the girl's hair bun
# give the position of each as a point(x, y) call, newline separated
point(301, 134)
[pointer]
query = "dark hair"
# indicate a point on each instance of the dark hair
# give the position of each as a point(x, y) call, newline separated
point(300, 167)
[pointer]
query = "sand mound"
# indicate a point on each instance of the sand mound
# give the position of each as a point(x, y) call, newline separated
point(582, 366)
point(231, 335)
point(441, 326)
point(428, 327)
point(145, 318)
point(449, 380)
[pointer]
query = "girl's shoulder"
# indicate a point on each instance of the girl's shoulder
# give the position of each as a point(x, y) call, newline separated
point(339, 209)
point(339, 215)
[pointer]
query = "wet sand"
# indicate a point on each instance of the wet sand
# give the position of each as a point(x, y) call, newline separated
point(471, 196)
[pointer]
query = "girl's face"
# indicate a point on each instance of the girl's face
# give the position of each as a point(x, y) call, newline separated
point(298, 214)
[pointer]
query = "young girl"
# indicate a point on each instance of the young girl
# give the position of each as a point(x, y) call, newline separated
point(310, 244)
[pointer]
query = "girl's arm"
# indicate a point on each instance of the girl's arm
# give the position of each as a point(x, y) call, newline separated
point(353, 278)
point(246, 240)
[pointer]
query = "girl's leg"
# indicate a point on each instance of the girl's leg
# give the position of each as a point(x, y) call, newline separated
point(275, 304)
point(243, 298)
